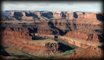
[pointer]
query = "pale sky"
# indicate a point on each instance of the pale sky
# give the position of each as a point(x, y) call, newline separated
point(53, 6)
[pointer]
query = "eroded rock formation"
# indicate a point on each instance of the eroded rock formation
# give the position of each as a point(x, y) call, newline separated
point(20, 35)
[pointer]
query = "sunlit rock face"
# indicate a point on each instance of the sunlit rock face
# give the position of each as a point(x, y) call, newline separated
point(80, 15)
point(88, 18)
point(38, 14)
point(57, 15)
point(24, 17)
point(90, 15)
point(69, 15)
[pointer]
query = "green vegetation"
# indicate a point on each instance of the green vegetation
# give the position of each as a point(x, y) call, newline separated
point(68, 52)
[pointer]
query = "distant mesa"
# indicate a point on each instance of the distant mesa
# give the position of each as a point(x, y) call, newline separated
point(82, 17)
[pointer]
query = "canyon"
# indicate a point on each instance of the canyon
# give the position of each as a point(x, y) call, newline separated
point(30, 31)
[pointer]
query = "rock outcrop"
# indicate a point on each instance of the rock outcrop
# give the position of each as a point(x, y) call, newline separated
point(81, 25)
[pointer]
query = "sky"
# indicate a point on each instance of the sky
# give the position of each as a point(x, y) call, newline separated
point(53, 6)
